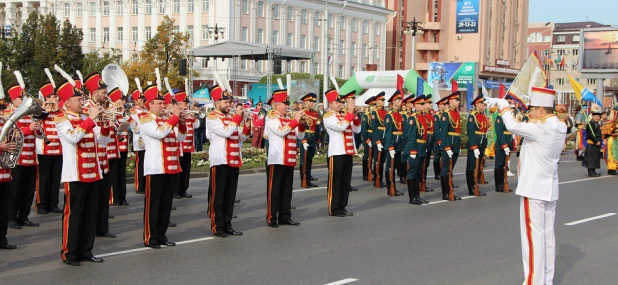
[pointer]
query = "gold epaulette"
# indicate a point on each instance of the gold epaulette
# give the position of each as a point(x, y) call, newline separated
point(145, 118)
point(60, 117)
point(271, 115)
point(213, 115)
point(328, 114)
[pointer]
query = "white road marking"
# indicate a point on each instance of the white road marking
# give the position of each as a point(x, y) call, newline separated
point(308, 189)
point(344, 281)
point(590, 219)
point(585, 179)
point(148, 248)
point(194, 240)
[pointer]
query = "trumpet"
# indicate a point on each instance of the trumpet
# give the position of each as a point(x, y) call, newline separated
point(39, 133)
point(50, 107)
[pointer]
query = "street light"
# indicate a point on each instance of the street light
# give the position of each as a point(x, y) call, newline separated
point(413, 28)
point(216, 32)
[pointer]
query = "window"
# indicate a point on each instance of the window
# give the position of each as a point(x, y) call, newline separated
point(260, 9)
point(435, 36)
point(176, 29)
point(244, 34)
point(148, 7)
point(341, 71)
point(93, 35)
point(105, 8)
point(560, 52)
point(190, 31)
point(303, 66)
point(119, 34)
point(275, 11)
point(290, 14)
point(190, 6)
point(545, 52)
point(161, 6)
point(93, 8)
point(134, 34)
point(119, 8)
point(303, 16)
point(67, 10)
point(561, 67)
point(330, 21)
point(592, 81)
point(206, 5)
point(546, 67)
point(575, 38)
point(376, 26)
point(317, 18)
point(329, 45)
point(80, 10)
point(365, 51)
point(352, 70)
point(204, 63)
point(435, 10)
point(561, 38)
point(135, 7)
point(288, 66)
point(354, 25)
point(105, 35)
point(245, 7)
point(560, 81)
point(148, 33)
point(260, 36)
point(303, 41)
point(316, 44)
point(290, 41)
point(243, 64)
point(341, 47)
point(575, 52)
point(258, 66)
point(176, 6)
point(376, 53)
point(204, 32)
point(353, 48)
point(275, 37)
point(316, 68)
point(365, 27)
point(341, 22)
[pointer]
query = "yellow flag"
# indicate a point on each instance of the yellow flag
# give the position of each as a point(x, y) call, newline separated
point(577, 88)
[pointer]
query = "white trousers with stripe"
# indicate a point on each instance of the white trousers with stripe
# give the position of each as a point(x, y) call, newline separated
point(538, 241)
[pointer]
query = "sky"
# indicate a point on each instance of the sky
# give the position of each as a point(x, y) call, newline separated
point(561, 11)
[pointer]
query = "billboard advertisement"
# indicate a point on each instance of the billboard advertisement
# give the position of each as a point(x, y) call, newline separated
point(444, 72)
point(202, 96)
point(599, 50)
point(467, 18)
point(258, 92)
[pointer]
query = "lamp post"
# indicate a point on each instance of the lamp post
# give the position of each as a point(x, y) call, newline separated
point(413, 28)
point(216, 33)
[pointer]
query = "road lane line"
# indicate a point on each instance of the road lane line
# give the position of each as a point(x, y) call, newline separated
point(194, 240)
point(344, 281)
point(585, 179)
point(308, 189)
point(148, 248)
point(590, 219)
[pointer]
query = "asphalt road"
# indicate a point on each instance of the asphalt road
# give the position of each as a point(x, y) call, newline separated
point(388, 241)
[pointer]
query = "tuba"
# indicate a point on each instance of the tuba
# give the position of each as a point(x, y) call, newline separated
point(11, 133)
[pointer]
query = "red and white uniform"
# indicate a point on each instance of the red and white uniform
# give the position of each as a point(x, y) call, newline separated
point(101, 148)
point(282, 133)
point(49, 126)
point(225, 139)
point(189, 145)
point(162, 143)
point(123, 145)
point(5, 173)
point(337, 124)
point(80, 137)
point(28, 152)
point(138, 143)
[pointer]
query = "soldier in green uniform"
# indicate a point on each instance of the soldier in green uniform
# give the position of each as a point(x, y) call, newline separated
point(379, 152)
point(402, 168)
point(393, 142)
point(309, 142)
point(450, 143)
point(366, 132)
point(504, 141)
point(431, 138)
point(416, 148)
point(442, 106)
point(477, 133)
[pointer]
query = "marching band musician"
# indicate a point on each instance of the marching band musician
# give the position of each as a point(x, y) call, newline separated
point(23, 185)
point(188, 146)
point(161, 164)
point(138, 144)
point(393, 137)
point(283, 133)
point(378, 128)
point(450, 143)
point(341, 149)
point(49, 155)
point(477, 132)
point(81, 170)
point(366, 133)
point(113, 150)
point(5, 178)
point(310, 140)
point(258, 125)
point(97, 94)
point(224, 134)
point(415, 149)
point(120, 188)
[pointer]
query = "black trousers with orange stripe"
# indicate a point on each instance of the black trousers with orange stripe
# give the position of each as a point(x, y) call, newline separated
point(79, 220)
point(102, 189)
point(4, 211)
point(339, 177)
point(140, 178)
point(279, 207)
point(224, 183)
point(119, 182)
point(113, 181)
point(50, 170)
point(183, 180)
point(158, 207)
point(22, 189)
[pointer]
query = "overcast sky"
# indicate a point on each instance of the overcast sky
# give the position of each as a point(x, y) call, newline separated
point(560, 11)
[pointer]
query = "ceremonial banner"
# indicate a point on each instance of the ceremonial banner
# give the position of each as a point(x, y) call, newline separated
point(531, 75)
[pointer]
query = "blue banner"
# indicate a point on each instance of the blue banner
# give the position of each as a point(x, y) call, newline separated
point(494, 84)
point(469, 96)
point(420, 89)
point(467, 18)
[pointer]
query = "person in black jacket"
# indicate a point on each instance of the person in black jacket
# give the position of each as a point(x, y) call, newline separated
point(594, 138)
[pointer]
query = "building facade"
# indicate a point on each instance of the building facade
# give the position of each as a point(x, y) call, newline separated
point(349, 39)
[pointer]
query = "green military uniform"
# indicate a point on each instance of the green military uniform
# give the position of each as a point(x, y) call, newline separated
point(436, 144)
point(402, 169)
point(504, 139)
point(477, 140)
point(450, 140)
point(311, 118)
point(415, 151)
point(377, 135)
point(366, 133)
point(393, 140)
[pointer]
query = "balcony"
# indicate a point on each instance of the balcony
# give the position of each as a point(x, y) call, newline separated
point(433, 26)
point(429, 46)
point(421, 66)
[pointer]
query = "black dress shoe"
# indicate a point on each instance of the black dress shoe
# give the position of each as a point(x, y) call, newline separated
point(236, 201)
point(233, 232)
point(594, 174)
point(398, 193)
point(436, 178)
point(455, 186)
point(55, 209)
point(14, 225)
point(273, 225)
point(72, 262)
point(422, 200)
point(612, 172)
point(234, 216)
point(382, 185)
point(352, 189)
point(140, 192)
point(174, 208)
point(116, 204)
point(171, 225)
point(177, 196)
point(154, 245)
point(220, 234)
point(289, 223)
point(309, 184)
point(445, 197)
point(340, 215)
point(348, 213)
point(313, 179)
point(482, 193)
point(415, 201)
point(365, 178)
point(401, 180)
point(93, 259)
point(42, 211)
point(427, 189)
point(292, 207)
point(456, 198)
point(28, 223)
point(125, 203)
point(169, 243)
point(186, 195)
point(107, 235)
point(8, 246)
point(110, 216)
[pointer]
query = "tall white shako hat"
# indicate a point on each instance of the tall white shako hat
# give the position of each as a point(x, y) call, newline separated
point(542, 97)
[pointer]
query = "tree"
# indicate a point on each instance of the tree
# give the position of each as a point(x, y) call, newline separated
point(142, 69)
point(46, 50)
point(24, 49)
point(70, 55)
point(94, 62)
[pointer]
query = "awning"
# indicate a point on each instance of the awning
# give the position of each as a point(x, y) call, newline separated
point(252, 51)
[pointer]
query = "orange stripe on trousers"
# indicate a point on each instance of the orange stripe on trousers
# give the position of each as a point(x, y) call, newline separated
point(330, 184)
point(37, 189)
point(65, 220)
point(269, 213)
point(147, 217)
point(136, 175)
point(530, 242)
point(213, 185)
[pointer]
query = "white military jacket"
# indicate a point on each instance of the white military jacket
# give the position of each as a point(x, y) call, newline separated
point(341, 129)
point(138, 143)
point(226, 138)
point(162, 143)
point(539, 156)
point(282, 133)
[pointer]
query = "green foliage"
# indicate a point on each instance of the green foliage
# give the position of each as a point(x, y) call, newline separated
point(70, 54)
point(94, 62)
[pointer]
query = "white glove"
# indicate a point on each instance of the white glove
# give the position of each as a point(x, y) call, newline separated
point(502, 103)
point(369, 144)
point(413, 156)
point(380, 147)
point(507, 151)
point(392, 153)
point(477, 153)
point(306, 146)
point(450, 153)
point(491, 102)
